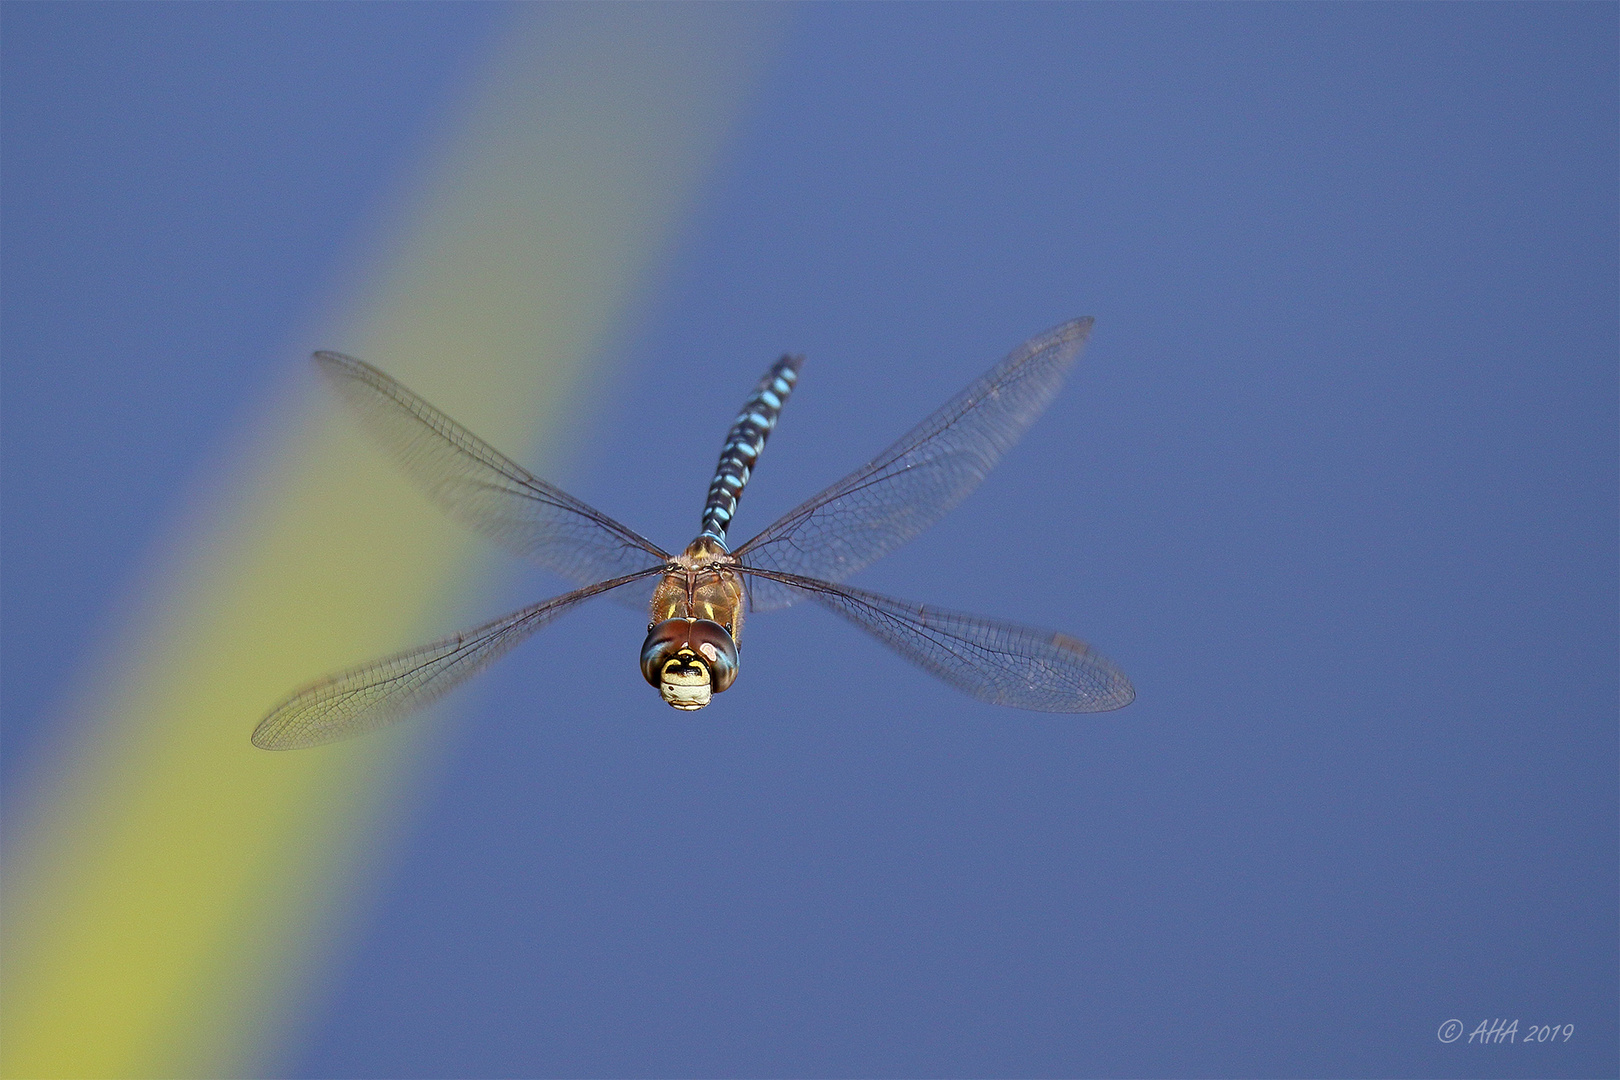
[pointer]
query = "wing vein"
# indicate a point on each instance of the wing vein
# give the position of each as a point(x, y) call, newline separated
point(483, 488)
point(915, 481)
point(374, 694)
point(995, 661)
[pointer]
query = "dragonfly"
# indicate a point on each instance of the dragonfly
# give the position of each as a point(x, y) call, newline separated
point(698, 597)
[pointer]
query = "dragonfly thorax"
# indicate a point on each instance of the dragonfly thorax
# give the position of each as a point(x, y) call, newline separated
point(702, 583)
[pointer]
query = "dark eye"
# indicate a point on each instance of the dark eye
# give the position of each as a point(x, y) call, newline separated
point(728, 628)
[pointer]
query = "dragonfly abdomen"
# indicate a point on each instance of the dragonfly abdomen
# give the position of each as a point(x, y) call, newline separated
point(745, 441)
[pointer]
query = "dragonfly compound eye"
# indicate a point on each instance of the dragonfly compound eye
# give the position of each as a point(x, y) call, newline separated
point(710, 641)
point(689, 660)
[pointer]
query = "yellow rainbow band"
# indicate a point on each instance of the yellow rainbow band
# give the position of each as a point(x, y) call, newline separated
point(173, 890)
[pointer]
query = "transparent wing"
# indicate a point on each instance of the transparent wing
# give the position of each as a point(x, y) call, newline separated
point(913, 483)
point(480, 486)
point(372, 695)
point(998, 662)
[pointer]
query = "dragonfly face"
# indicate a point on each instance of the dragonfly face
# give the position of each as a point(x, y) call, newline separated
point(689, 660)
point(691, 649)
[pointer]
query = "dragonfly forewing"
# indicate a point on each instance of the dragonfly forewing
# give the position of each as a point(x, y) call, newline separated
point(912, 484)
point(483, 488)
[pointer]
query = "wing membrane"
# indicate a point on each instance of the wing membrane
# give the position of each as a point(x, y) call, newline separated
point(372, 695)
point(913, 483)
point(480, 486)
point(998, 662)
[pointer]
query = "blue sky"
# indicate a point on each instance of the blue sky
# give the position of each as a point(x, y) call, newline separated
point(1334, 483)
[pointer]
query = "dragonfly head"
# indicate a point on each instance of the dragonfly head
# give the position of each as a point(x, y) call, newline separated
point(689, 660)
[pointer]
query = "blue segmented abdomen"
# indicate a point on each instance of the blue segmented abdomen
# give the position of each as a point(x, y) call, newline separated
point(744, 443)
